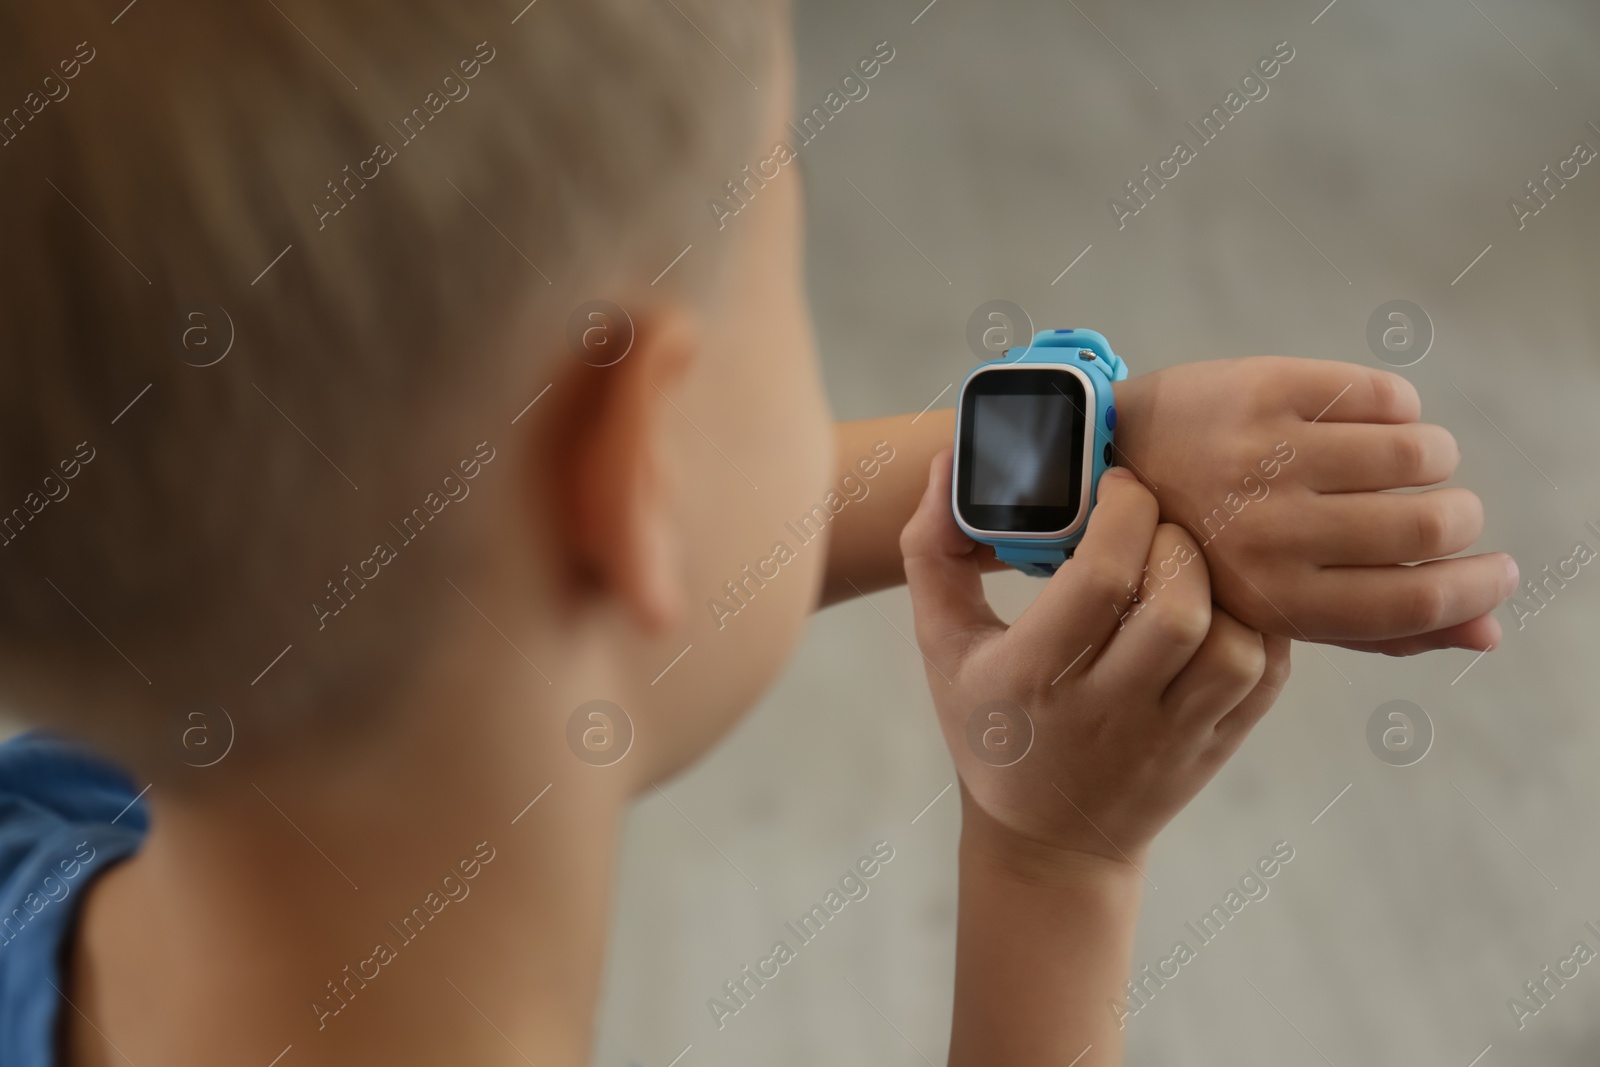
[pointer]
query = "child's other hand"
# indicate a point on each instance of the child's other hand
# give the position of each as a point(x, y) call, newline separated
point(1277, 467)
point(1159, 691)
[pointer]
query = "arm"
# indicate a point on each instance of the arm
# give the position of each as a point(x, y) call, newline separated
point(1118, 738)
point(1041, 940)
point(1307, 546)
point(864, 541)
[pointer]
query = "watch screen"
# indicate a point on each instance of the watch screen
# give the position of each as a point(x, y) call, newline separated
point(1020, 455)
point(1017, 445)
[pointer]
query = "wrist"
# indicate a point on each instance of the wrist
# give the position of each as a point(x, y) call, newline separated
point(1135, 400)
point(994, 852)
point(1044, 939)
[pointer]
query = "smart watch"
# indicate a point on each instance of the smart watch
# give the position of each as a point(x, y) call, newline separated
point(1033, 435)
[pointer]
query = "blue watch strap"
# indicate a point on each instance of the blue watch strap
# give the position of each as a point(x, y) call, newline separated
point(1039, 562)
point(1108, 363)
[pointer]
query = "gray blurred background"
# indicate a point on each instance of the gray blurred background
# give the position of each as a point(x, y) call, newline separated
point(1427, 895)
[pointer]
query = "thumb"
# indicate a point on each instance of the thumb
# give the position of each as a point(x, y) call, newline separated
point(944, 572)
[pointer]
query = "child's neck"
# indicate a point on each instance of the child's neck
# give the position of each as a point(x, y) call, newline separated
point(276, 912)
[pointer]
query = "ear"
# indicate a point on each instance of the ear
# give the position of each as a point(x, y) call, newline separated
point(615, 491)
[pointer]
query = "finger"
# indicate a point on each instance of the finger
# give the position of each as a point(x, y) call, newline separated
point(1222, 672)
point(1081, 603)
point(1377, 603)
point(1372, 529)
point(1348, 457)
point(1162, 631)
point(1323, 391)
point(1235, 725)
point(944, 572)
point(1477, 634)
point(988, 561)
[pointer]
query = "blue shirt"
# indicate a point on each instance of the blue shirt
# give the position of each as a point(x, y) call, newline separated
point(65, 817)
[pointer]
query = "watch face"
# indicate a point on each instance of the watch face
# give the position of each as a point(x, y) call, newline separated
point(1021, 450)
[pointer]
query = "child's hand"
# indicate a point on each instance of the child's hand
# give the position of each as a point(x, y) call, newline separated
point(1133, 704)
point(1276, 465)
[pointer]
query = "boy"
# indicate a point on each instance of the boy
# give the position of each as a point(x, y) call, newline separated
point(386, 548)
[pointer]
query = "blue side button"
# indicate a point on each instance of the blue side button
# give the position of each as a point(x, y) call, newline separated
point(1111, 418)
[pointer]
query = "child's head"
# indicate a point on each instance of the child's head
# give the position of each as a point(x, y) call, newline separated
point(392, 212)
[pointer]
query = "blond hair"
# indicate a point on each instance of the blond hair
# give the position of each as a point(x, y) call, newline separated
point(364, 199)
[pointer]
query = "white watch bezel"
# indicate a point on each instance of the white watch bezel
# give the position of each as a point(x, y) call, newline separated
point(1089, 436)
